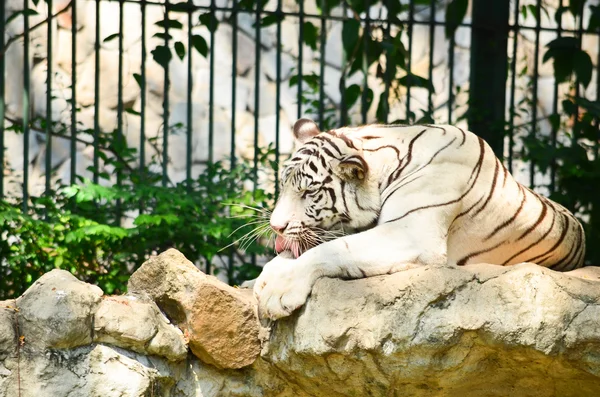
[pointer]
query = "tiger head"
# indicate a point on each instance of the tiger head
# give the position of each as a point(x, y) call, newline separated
point(326, 190)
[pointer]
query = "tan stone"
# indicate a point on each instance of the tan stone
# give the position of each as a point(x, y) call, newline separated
point(218, 320)
point(126, 322)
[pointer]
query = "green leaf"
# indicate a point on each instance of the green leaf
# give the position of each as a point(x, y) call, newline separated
point(568, 58)
point(138, 79)
point(351, 95)
point(25, 12)
point(328, 6)
point(416, 81)
point(162, 55)
point(311, 34)
point(350, 36)
point(180, 49)
point(576, 7)
point(169, 24)
point(163, 36)
point(270, 20)
point(182, 7)
point(200, 45)
point(134, 112)
point(208, 19)
point(358, 6)
point(559, 13)
point(594, 21)
point(583, 66)
point(111, 37)
point(382, 107)
point(455, 14)
point(369, 98)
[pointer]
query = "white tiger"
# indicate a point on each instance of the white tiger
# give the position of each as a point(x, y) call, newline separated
point(401, 197)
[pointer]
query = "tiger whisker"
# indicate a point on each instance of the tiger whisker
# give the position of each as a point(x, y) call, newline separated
point(255, 233)
point(260, 222)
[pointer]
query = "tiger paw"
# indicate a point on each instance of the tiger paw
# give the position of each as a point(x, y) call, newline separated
point(282, 287)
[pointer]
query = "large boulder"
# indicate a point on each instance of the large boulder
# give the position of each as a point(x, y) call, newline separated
point(472, 331)
point(218, 320)
point(57, 312)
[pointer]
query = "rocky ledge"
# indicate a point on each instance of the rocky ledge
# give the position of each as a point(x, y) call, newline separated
point(472, 331)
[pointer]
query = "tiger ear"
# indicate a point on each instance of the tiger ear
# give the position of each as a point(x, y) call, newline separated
point(353, 168)
point(304, 129)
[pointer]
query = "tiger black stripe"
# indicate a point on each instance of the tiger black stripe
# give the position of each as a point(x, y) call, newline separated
point(532, 245)
point(511, 219)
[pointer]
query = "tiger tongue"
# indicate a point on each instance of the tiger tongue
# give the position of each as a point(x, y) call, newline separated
point(282, 244)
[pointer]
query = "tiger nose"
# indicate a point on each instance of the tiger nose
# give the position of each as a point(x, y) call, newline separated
point(279, 227)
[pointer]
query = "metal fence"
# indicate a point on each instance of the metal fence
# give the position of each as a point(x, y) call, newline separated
point(205, 80)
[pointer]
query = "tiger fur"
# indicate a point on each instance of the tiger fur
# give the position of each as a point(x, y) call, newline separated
point(374, 200)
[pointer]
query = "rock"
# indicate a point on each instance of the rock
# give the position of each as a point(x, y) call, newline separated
point(56, 311)
point(481, 330)
point(126, 322)
point(218, 320)
point(86, 371)
point(8, 338)
point(473, 331)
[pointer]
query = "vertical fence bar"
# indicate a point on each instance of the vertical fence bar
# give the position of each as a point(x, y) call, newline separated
point(26, 93)
point(190, 83)
point(48, 149)
point(257, 49)
point(431, 48)
point(2, 90)
point(365, 65)
point(234, 45)
point(579, 36)
point(232, 156)
point(554, 131)
point(165, 149)
point(342, 83)
point(597, 143)
point(322, 67)
point(388, 70)
point(277, 97)
point(256, 92)
point(451, 46)
point(300, 53)
point(534, 100)
point(96, 137)
point(120, 109)
point(513, 88)
point(73, 92)
point(211, 93)
point(411, 16)
point(143, 91)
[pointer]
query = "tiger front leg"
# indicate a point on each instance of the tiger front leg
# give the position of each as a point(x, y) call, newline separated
point(285, 284)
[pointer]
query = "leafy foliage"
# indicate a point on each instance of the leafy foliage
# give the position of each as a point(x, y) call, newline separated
point(575, 161)
point(77, 228)
point(102, 232)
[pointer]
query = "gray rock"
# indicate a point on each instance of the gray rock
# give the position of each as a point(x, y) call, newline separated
point(90, 371)
point(8, 338)
point(476, 331)
point(126, 322)
point(56, 311)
